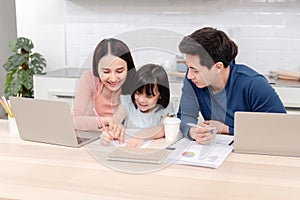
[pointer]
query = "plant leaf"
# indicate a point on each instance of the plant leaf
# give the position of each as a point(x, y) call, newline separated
point(12, 46)
point(24, 43)
point(12, 87)
point(37, 63)
point(19, 78)
point(26, 78)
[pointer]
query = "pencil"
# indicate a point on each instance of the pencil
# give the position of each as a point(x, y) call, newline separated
point(10, 109)
point(102, 123)
point(6, 106)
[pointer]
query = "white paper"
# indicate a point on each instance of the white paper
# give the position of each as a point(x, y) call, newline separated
point(193, 153)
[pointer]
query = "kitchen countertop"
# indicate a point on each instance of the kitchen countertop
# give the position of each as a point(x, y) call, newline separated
point(284, 83)
point(65, 73)
point(173, 75)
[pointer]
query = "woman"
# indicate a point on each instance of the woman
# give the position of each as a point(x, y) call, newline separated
point(101, 87)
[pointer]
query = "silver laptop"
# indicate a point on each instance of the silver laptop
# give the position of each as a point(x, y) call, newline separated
point(49, 122)
point(267, 133)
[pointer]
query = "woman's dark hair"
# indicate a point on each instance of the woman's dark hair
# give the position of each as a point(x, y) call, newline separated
point(147, 77)
point(211, 45)
point(119, 49)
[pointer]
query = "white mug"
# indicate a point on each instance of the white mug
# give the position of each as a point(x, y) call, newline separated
point(12, 126)
point(171, 126)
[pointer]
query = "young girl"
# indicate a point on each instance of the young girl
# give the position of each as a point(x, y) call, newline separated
point(149, 102)
point(101, 87)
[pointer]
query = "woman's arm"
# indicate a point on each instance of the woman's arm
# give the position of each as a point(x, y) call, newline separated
point(83, 98)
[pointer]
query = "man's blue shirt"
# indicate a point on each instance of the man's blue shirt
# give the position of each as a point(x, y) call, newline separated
point(245, 90)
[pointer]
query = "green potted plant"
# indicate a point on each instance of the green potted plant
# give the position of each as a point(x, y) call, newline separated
point(20, 67)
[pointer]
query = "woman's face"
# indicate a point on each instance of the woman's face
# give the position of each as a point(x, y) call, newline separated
point(146, 103)
point(112, 72)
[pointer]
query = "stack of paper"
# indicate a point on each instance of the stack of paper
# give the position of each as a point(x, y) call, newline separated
point(211, 155)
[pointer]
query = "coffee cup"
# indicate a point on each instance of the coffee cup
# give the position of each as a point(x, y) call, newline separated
point(171, 127)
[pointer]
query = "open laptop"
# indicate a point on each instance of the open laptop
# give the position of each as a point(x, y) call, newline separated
point(49, 122)
point(267, 133)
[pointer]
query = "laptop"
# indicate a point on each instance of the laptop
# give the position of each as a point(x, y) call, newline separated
point(48, 122)
point(267, 133)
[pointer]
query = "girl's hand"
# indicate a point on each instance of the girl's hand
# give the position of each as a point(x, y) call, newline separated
point(134, 142)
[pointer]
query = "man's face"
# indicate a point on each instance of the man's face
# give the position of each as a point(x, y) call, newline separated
point(200, 75)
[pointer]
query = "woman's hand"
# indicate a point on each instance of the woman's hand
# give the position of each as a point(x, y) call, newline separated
point(105, 138)
point(134, 142)
point(112, 130)
point(117, 131)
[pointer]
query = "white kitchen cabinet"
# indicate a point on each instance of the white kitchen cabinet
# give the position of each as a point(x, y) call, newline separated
point(58, 85)
point(289, 93)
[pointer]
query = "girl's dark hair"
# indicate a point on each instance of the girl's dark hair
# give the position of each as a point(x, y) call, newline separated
point(211, 45)
point(147, 77)
point(119, 49)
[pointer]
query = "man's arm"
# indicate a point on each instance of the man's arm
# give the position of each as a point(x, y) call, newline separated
point(188, 108)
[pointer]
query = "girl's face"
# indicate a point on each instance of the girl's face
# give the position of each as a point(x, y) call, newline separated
point(147, 103)
point(112, 72)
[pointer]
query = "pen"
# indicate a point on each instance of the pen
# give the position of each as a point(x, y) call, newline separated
point(102, 123)
point(194, 125)
point(212, 130)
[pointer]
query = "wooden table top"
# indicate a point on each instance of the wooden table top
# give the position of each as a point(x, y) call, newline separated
point(32, 170)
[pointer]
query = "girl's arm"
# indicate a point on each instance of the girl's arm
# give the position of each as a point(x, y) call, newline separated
point(155, 132)
point(137, 140)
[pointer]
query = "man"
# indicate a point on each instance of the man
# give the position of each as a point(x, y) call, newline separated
point(217, 87)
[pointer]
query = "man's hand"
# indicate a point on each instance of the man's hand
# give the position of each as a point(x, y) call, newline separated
point(204, 134)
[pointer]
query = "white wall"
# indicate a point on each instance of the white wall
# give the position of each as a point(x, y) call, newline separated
point(8, 33)
point(266, 31)
point(43, 23)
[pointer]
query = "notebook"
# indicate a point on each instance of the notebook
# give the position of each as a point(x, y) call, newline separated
point(267, 133)
point(48, 122)
point(138, 155)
